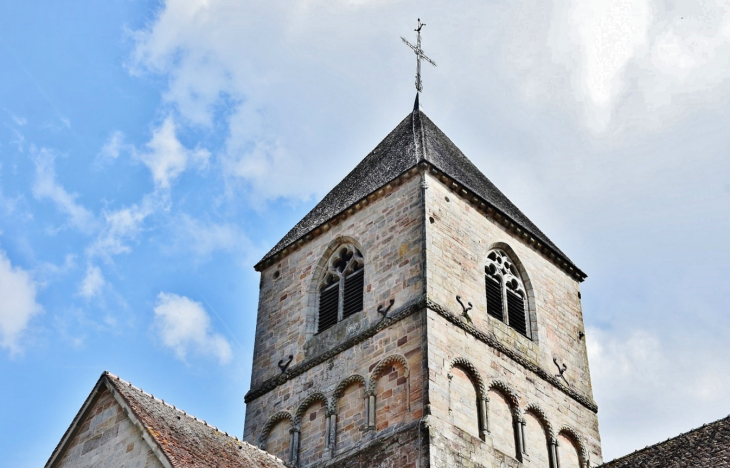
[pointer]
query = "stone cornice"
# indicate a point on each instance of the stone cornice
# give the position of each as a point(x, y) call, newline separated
point(399, 314)
point(491, 340)
point(298, 369)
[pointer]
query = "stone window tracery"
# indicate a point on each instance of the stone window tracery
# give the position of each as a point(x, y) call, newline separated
point(506, 294)
point(341, 289)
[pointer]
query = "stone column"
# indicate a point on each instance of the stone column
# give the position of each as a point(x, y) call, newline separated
point(554, 462)
point(371, 411)
point(523, 423)
point(327, 429)
point(333, 431)
point(484, 430)
point(516, 426)
point(294, 454)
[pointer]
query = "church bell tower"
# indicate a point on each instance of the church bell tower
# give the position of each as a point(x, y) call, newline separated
point(415, 318)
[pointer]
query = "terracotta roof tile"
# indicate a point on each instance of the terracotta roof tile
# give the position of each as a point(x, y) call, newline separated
point(186, 440)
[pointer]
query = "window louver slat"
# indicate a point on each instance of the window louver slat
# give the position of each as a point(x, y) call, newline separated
point(328, 304)
point(353, 294)
point(494, 297)
point(516, 312)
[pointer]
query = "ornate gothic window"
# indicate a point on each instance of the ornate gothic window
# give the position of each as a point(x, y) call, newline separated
point(341, 290)
point(506, 295)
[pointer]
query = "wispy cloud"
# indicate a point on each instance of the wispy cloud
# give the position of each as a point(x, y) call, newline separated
point(122, 227)
point(46, 187)
point(184, 326)
point(18, 304)
point(113, 146)
point(93, 282)
point(167, 158)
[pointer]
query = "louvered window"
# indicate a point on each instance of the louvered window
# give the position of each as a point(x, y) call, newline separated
point(342, 288)
point(494, 297)
point(506, 294)
point(516, 311)
point(353, 293)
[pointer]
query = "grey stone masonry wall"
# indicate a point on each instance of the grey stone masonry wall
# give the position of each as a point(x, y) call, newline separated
point(108, 438)
point(521, 369)
point(365, 354)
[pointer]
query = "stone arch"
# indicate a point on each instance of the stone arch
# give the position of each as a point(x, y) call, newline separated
point(505, 419)
point(281, 415)
point(459, 405)
point(526, 281)
point(396, 413)
point(538, 440)
point(577, 439)
point(316, 396)
point(378, 371)
point(344, 383)
point(539, 413)
point(473, 372)
point(509, 393)
point(346, 422)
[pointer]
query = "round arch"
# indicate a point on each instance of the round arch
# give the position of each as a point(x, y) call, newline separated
point(280, 416)
point(577, 439)
point(317, 396)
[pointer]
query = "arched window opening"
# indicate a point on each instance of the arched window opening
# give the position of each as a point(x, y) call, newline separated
point(501, 424)
point(341, 290)
point(537, 444)
point(506, 294)
point(567, 453)
point(464, 402)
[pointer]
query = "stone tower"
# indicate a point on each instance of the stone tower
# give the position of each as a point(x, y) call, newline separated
point(416, 317)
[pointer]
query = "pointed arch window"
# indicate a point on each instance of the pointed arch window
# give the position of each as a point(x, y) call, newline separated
point(341, 289)
point(506, 294)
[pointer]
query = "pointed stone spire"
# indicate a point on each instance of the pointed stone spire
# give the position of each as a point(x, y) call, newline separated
point(416, 105)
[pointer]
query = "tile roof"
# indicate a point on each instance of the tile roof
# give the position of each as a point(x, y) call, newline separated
point(184, 441)
point(416, 139)
point(705, 447)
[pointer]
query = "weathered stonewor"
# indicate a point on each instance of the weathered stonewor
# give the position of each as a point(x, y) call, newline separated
point(427, 382)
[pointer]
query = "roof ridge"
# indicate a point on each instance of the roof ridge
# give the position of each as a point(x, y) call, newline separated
point(113, 377)
point(670, 439)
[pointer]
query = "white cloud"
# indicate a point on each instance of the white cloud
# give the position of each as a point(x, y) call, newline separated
point(92, 283)
point(45, 186)
point(167, 158)
point(18, 304)
point(113, 146)
point(121, 227)
point(184, 326)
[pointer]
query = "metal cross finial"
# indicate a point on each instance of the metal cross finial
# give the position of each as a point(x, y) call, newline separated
point(419, 55)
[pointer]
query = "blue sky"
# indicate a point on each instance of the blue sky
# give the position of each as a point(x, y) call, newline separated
point(152, 152)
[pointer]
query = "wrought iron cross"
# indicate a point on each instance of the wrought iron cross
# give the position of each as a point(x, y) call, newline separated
point(419, 55)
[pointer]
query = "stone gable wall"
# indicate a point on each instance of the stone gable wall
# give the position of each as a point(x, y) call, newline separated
point(107, 437)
